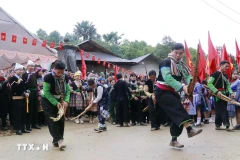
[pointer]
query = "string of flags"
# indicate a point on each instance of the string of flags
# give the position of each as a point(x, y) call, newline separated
point(34, 42)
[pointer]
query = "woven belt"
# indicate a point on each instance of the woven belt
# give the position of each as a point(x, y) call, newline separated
point(18, 97)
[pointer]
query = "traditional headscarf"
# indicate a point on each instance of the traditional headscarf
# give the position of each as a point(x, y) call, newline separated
point(60, 86)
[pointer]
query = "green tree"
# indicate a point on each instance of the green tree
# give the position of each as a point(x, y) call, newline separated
point(73, 39)
point(86, 30)
point(162, 50)
point(55, 37)
point(41, 34)
point(113, 38)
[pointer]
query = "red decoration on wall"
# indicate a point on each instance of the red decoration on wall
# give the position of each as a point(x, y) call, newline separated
point(93, 58)
point(81, 52)
point(14, 38)
point(104, 63)
point(44, 43)
point(108, 65)
point(122, 69)
point(24, 40)
point(99, 61)
point(113, 66)
point(52, 45)
point(34, 42)
point(87, 55)
point(3, 36)
point(60, 46)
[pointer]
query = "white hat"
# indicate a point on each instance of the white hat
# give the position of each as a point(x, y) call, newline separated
point(18, 66)
point(30, 63)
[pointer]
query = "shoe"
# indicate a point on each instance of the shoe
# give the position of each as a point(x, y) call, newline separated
point(5, 128)
point(212, 120)
point(93, 120)
point(197, 125)
point(18, 132)
point(176, 144)
point(25, 131)
point(114, 123)
point(120, 125)
point(55, 144)
point(29, 128)
point(217, 128)
point(77, 121)
point(237, 127)
point(133, 124)
point(166, 124)
point(126, 125)
point(229, 129)
point(36, 127)
point(81, 121)
point(104, 128)
point(61, 145)
point(154, 129)
point(194, 132)
point(142, 124)
point(206, 122)
point(66, 119)
point(99, 129)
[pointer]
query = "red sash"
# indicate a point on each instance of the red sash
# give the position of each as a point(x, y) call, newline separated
point(164, 87)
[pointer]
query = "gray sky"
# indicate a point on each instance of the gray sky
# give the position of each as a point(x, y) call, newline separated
point(147, 20)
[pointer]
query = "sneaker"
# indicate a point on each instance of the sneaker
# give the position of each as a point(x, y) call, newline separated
point(154, 129)
point(194, 132)
point(61, 145)
point(197, 125)
point(104, 128)
point(206, 121)
point(175, 144)
point(113, 123)
point(99, 129)
point(229, 129)
point(237, 127)
point(217, 128)
point(77, 121)
point(55, 144)
point(212, 120)
point(81, 121)
point(126, 125)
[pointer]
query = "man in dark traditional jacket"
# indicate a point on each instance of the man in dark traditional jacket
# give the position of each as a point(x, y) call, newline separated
point(31, 84)
point(56, 94)
point(219, 84)
point(19, 94)
point(172, 71)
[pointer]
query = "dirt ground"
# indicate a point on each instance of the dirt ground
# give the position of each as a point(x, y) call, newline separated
point(134, 143)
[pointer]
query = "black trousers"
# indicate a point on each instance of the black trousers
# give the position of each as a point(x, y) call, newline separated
point(32, 115)
point(170, 102)
point(41, 118)
point(221, 113)
point(56, 129)
point(11, 113)
point(136, 111)
point(122, 111)
point(19, 110)
point(145, 115)
point(154, 113)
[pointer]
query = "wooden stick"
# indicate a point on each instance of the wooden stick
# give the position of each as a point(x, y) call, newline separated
point(27, 108)
point(145, 109)
point(87, 109)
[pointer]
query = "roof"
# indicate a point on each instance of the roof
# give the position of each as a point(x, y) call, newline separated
point(150, 55)
point(92, 46)
point(12, 27)
point(104, 57)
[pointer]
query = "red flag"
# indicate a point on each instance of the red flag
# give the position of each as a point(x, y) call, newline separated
point(231, 68)
point(237, 55)
point(226, 58)
point(14, 38)
point(99, 61)
point(24, 40)
point(3, 36)
point(188, 57)
point(60, 46)
point(116, 72)
point(224, 54)
point(212, 54)
point(44, 43)
point(104, 63)
point(52, 44)
point(84, 68)
point(202, 63)
point(34, 42)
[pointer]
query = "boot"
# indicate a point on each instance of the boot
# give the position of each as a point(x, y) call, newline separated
point(176, 144)
point(194, 132)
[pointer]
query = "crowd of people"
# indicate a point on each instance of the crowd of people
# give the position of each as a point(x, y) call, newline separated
point(30, 97)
